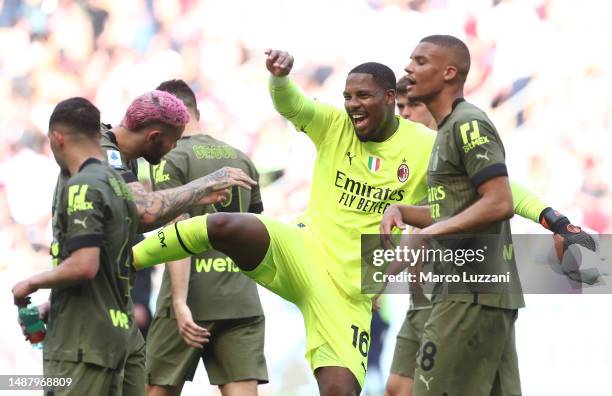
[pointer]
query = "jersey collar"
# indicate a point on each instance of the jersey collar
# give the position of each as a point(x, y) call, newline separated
point(112, 137)
point(89, 161)
point(455, 104)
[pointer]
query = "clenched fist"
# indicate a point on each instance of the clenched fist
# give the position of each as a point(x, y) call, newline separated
point(279, 63)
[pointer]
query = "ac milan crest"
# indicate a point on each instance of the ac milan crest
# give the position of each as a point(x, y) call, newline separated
point(402, 173)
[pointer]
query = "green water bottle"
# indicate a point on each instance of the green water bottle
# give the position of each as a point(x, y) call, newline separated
point(35, 327)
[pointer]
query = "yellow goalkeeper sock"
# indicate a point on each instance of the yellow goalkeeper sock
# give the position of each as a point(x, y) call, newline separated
point(173, 242)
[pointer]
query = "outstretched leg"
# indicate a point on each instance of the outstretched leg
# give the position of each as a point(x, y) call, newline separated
point(241, 236)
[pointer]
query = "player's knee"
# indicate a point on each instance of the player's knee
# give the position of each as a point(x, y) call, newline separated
point(221, 225)
point(239, 388)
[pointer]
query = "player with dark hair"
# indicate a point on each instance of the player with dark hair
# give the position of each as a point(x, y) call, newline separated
point(316, 262)
point(468, 173)
point(78, 116)
point(94, 226)
point(469, 193)
point(526, 204)
point(206, 291)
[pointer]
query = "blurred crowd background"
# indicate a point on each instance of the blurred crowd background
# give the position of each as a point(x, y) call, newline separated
point(540, 69)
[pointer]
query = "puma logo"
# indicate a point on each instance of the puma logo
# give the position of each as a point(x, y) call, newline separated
point(483, 156)
point(426, 382)
point(81, 222)
point(350, 157)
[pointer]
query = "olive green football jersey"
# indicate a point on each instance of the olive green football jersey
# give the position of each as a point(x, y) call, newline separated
point(217, 289)
point(91, 321)
point(467, 152)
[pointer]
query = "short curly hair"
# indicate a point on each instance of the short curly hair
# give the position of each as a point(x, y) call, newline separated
point(382, 74)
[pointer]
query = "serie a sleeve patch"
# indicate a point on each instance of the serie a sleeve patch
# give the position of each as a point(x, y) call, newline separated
point(114, 158)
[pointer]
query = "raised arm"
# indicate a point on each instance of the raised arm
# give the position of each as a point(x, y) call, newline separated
point(306, 114)
point(157, 208)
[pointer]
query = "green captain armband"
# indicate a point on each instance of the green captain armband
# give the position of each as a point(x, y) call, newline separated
point(173, 242)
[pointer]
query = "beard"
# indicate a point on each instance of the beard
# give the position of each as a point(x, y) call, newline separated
point(153, 158)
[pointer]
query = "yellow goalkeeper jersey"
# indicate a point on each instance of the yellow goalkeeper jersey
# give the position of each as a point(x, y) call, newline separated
point(354, 181)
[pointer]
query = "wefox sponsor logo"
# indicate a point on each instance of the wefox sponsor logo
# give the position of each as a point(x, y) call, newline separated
point(218, 264)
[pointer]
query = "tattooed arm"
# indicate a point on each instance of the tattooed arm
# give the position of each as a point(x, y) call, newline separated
point(159, 207)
